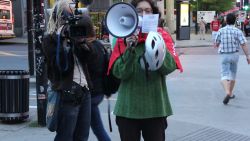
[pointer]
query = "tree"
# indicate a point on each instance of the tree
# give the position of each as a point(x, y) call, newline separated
point(212, 5)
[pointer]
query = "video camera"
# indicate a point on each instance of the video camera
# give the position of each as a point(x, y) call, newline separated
point(76, 26)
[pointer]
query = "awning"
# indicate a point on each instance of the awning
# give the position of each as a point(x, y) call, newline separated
point(230, 11)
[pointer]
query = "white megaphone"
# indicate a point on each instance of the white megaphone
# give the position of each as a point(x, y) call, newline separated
point(121, 20)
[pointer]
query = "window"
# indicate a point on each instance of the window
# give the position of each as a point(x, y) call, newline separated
point(4, 14)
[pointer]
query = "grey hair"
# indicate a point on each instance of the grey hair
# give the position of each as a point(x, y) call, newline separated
point(53, 25)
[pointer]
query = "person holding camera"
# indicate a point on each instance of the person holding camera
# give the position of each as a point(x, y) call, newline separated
point(67, 56)
point(142, 105)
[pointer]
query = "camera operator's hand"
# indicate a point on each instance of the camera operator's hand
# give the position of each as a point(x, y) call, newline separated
point(84, 48)
point(89, 40)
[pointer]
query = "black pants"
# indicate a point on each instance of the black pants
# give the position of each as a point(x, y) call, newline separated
point(152, 129)
point(246, 30)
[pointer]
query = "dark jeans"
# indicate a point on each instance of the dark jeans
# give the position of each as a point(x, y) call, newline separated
point(74, 120)
point(96, 121)
point(152, 129)
point(246, 31)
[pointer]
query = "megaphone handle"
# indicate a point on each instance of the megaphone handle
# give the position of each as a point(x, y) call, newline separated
point(128, 44)
point(131, 43)
point(131, 46)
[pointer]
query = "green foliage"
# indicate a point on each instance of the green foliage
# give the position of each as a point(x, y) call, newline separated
point(212, 5)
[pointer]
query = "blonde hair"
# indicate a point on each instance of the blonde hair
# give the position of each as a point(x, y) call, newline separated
point(55, 22)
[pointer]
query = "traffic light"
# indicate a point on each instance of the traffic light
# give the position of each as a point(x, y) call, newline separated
point(246, 7)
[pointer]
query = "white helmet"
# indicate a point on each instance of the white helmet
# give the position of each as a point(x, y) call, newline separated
point(155, 51)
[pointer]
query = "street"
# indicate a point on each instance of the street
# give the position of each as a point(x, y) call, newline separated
point(196, 96)
point(13, 56)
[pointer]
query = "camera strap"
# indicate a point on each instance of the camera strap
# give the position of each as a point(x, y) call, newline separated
point(58, 52)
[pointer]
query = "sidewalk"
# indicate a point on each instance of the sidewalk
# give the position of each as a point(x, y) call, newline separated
point(193, 42)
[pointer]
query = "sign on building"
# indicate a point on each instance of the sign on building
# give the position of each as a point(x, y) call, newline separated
point(208, 16)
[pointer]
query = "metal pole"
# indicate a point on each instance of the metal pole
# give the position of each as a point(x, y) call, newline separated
point(46, 15)
point(41, 76)
point(196, 23)
point(197, 5)
point(178, 20)
point(30, 37)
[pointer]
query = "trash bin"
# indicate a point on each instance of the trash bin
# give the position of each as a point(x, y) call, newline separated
point(14, 95)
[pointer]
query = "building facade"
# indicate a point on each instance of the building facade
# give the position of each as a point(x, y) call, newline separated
point(20, 12)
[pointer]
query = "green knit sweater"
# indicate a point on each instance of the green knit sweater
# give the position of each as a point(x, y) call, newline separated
point(140, 97)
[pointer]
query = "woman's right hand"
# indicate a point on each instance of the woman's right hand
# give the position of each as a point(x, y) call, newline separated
point(131, 41)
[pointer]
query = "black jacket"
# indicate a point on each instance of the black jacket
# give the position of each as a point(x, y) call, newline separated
point(96, 68)
point(62, 79)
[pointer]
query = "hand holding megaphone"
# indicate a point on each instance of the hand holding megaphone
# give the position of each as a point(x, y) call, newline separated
point(131, 41)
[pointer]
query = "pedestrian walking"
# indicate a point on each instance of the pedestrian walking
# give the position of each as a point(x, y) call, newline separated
point(142, 105)
point(215, 26)
point(229, 40)
point(202, 26)
point(67, 57)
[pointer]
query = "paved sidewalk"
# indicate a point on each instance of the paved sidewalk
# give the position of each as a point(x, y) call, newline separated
point(194, 41)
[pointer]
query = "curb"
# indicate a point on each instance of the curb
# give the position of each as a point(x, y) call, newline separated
point(17, 40)
point(194, 46)
point(32, 82)
point(12, 42)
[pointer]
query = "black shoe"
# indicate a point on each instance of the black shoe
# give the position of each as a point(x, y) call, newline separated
point(226, 99)
point(232, 97)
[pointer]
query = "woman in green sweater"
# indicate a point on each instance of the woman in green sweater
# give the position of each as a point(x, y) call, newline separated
point(142, 104)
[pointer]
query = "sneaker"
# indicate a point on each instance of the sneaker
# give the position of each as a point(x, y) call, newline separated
point(226, 100)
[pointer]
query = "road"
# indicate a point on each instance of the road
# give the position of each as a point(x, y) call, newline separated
point(13, 56)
